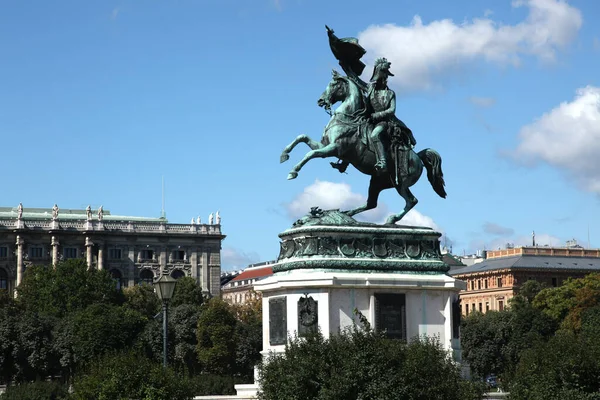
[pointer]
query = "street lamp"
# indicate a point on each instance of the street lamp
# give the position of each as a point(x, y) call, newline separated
point(165, 286)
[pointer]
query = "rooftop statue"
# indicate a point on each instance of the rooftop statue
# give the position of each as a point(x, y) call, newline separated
point(365, 132)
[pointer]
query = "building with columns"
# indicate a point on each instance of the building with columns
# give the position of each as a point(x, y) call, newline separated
point(492, 282)
point(132, 249)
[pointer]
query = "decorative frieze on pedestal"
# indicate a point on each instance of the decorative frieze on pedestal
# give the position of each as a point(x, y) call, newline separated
point(316, 242)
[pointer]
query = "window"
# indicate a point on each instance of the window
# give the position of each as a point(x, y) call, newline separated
point(3, 279)
point(179, 255)
point(70, 252)
point(177, 274)
point(3, 252)
point(147, 254)
point(480, 307)
point(554, 282)
point(114, 254)
point(486, 283)
point(487, 307)
point(478, 284)
point(36, 252)
point(499, 282)
point(500, 305)
point(466, 309)
point(147, 276)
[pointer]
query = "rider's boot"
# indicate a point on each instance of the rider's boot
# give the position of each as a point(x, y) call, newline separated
point(340, 165)
point(381, 164)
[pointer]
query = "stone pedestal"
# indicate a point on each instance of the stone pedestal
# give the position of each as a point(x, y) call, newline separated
point(331, 268)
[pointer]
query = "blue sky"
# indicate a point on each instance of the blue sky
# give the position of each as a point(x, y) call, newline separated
point(100, 99)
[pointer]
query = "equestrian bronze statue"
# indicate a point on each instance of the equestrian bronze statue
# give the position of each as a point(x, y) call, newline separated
point(365, 132)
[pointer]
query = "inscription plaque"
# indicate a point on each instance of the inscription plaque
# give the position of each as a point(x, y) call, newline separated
point(308, 315)
point(277, 321)
point(456, 314)
point(390, 315)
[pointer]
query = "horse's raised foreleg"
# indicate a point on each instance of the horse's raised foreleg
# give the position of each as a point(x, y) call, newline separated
point(375, 187)
point(285, 155)
point(411, 201)
point(327, 151)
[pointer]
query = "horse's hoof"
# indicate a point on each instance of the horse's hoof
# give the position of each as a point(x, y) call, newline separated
point(292, 175)
point(284, 157)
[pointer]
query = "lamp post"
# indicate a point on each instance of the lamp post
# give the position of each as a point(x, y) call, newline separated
point(165, 286)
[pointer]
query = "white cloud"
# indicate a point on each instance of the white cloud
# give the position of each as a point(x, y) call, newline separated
point(596, 44)
point(518, 241)
point(232, 258)
point(484, 102)
point(567, 137)
point(327, 196)
point(421, 52)
point(496, 229)
point(330, 195)
point(487, 13)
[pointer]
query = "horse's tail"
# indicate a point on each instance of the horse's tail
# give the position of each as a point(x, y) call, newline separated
point(433, 162)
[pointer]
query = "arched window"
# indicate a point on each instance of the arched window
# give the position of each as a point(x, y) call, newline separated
point(118, 277)
point(147, 276)
point(3, 279)
point(177, 274)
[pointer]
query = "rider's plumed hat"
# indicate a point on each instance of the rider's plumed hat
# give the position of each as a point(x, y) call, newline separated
point(381, 65)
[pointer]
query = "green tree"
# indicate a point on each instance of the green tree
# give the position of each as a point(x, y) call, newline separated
point(248, 337)
point(39, 390)
point(142, 299)
point(493, 342)
point(92, 332)
point(216, 337)
point(187, 291)
point(565, 367)
point(68, 288)
point(567, 303)
point(362, 364)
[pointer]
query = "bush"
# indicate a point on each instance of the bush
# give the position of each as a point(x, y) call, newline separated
point(131, 376)
point(208, 384)
point(363, 365)
point(36, 391)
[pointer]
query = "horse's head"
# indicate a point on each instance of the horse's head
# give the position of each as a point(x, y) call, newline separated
point(336, 90)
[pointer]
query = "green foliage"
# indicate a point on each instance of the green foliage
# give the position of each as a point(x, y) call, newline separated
point(565, 367)
point(6, 299)
point(216, 337)
point(68, 288)
point(207, 384)
point(492, 342)
point(36, 391)
point(25, 345)
point(362, 365)
point(567, 303)
point(131, 376)
point(529, 290)
point(92, 332)
point(142, 299)
point(248, 338)
point(187, 291)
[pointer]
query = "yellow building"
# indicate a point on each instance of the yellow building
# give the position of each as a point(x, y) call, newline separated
point(495, 280)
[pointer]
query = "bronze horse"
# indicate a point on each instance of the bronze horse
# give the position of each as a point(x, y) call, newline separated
point(344, 137)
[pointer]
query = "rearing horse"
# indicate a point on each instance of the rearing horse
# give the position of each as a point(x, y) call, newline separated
point(344, 137)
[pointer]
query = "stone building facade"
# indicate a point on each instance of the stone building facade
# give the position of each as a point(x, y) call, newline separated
point(132, 249)
point(494, 281)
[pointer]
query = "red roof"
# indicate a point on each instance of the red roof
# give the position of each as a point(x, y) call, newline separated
point(253, 274)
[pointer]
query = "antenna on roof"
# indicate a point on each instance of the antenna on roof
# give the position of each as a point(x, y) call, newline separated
point(589, 245)
point(162, 211)
point(533, 238)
